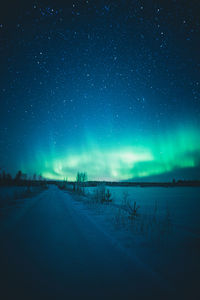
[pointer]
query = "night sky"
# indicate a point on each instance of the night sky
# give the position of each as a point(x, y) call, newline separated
point(107, 87)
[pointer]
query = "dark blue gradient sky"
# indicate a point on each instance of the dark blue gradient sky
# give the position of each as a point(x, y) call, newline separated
point(107, 87)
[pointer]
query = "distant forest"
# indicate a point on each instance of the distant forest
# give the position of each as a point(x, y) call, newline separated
point(23, 179)
point(19, 179)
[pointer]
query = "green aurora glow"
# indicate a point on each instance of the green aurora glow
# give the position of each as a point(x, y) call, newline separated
point(155, 155)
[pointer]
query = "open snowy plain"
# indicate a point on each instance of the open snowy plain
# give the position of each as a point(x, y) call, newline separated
point(60, 245)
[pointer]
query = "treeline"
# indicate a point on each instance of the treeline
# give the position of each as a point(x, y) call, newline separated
point(173, 183)
point(78, 185)
point(20, 179)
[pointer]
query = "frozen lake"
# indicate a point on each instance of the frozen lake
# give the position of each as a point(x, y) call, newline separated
point(165, 234)
point(181, 204)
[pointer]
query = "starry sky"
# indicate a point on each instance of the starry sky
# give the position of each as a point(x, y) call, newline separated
point(107, 87)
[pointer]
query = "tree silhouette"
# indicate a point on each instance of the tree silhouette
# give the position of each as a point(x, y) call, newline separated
point(18, 176)
point(81, 178)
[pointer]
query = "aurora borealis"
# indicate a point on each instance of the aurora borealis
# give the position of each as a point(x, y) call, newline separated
point(123, 162)
point(107, 87)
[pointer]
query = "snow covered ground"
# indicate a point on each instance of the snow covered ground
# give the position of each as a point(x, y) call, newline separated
point(164, 234)
point(8, 193)
point(180, 204)
point(14, 199)
point(59, 245)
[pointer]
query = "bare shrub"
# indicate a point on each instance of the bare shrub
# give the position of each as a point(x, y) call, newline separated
point(132, 210)
point(108, 196)
point(104, 194)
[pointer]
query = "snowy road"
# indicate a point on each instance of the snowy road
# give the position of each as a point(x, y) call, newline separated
point(54, 251)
